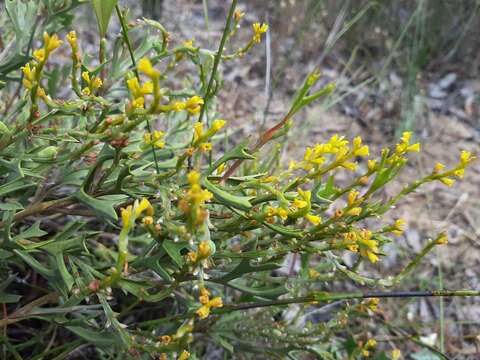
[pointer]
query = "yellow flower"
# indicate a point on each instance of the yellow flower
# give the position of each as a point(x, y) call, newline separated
point(218, 125)
point(193, 104)
point(126, 214)
point(51, 43)
point(204, 310)
point(373, 304)
point(300, 204)
point(147, 220)
point(367, 246)
point(282, 213)
point(466, 158)
point(398, 226)
point(372, 164)
point(138, 103)
point(193, 177)
point(144, 205)
point(97, 83)
point(145, 66)
point(189, 44)
point(371, 343)
point(438, 168)
point(29, 72)
point(184, 355)
point(86, 76)
point(206, 147)
point(396, 354)
point(258, 30)
point(358, 148)
point(315, 220)
point(221, 168)
point(39, 55)
point(72, 39)
point(349, 165)
point(459, 173)
point(442, 239)
point(204, 250)
point(447, 181)
point(355, 211)
point(404, 145)
point(352, 196)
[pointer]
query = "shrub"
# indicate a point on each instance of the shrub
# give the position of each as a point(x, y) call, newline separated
point(133, 226)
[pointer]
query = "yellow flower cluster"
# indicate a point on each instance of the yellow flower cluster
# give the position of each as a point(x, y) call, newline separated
point(93, 83)
point(72, 40)
point(258, 30)
point(138, 91)
point(204, 251)
point(398, 227)
point(200, 137)
point(362, 242)
point(50, 44)
point(29, 75)
point(207, 303)
point(132, 213)
point(192, 203)
point(404, 146)
point(300, 208)
point(32, 71)
point(369, 345)
point(466, 158)
point(193, 105)
point(155, 138)
point(337, 146)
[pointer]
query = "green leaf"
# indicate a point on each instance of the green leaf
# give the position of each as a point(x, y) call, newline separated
point(31, 232)
point(103, 11)
point(103, 208)
point(238, 202)
point(173, 250)
point(30, 260)
point(285, 231)
point(269, 291)
point(101, 339)
point(64, 273)
point(9, 298)
point(17, 184)
point(245, 267)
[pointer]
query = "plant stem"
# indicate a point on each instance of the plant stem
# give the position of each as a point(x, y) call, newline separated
point(218, 57)
point(325, 297)
point(134, 63)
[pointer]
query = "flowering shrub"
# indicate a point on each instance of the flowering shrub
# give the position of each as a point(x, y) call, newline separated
point(130, 226)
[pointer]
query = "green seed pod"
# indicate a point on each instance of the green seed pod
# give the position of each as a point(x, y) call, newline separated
point(50, 152)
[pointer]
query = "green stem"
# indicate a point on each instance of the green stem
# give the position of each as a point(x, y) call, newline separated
point(218, 57)
point(134, 63)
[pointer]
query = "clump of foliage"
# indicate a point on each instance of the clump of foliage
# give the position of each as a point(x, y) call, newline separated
point(134, 226)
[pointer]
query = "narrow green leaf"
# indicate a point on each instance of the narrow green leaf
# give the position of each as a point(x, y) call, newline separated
point(9, 298)
point(101, 339)
point(173, 250)
point(103, 208)
point(238, 202)
point(30, 260)
point(103, 11)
